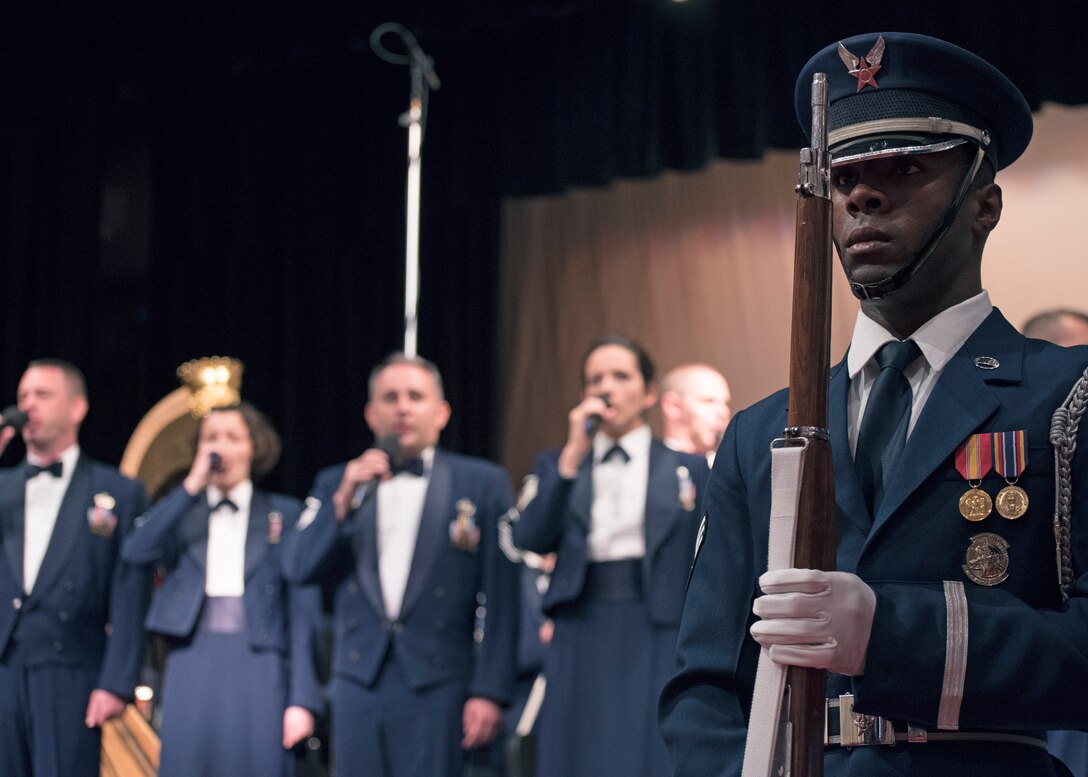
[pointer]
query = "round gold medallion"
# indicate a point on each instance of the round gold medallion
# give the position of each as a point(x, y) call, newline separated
point(987, 560)
point(975, 504)
point(1012, 502)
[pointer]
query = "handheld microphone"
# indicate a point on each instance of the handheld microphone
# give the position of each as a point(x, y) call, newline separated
point(593, 422)
point(13, 417)
point(216, 461)
point(390, 446)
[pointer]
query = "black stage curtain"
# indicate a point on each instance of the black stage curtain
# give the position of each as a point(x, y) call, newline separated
point(182, 181)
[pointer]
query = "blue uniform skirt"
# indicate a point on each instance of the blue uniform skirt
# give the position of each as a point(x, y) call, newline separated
point(223, 703)
point(605, 667)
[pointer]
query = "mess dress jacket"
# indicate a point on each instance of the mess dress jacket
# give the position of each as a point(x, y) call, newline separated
point(88, 604)
point(434, 638)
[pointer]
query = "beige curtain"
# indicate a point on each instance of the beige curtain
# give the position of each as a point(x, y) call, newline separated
point(698, 267)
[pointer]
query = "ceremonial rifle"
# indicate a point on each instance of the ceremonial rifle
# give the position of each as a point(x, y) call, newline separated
point(810, 357)
point(803, 513)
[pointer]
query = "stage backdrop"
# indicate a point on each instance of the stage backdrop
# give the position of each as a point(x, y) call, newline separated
point(699, 267)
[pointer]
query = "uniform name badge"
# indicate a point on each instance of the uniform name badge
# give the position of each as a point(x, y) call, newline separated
point(101, 519)
point(464, 533)
point(973, 460)
point(1010, 461)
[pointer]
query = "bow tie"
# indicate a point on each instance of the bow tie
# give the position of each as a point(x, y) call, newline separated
point(225, 503)
point(617, 451)
point(55, 469)
point(408, 467)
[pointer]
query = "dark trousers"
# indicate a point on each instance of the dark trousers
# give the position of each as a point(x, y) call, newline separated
point(390, 730)
point(42, 709)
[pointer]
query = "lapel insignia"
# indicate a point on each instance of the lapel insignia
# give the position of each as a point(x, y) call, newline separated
point(987, 560)
point(686, 488)
point(864, 69)
point(987, 363)
point(275, 527)
point(101, 519)
point(464, 533)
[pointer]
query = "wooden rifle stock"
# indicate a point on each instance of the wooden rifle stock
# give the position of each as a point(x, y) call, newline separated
point(810, 352)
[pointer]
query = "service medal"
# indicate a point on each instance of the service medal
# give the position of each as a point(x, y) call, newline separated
point(464, 531)
point(1012, 502)
point(101, 519)
point(987, 560)
point(275, 527)
point(973, 461)
point(686, 493)
point(1010, 460)
point(975, 504)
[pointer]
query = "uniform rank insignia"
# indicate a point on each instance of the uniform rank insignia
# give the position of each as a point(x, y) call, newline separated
point(987, 560)
point(101, 519)
point(275, 527)
point(686, 485)
point(973, 461)
point(464, 533)
point(1010, 460)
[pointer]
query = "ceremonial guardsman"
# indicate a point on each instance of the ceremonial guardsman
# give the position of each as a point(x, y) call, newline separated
point(957, 623)
point(621, 511)
point(425, 602)
point(71, 610)
point(240, 687)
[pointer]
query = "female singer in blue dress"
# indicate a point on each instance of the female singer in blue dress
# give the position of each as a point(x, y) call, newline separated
point(240, 686)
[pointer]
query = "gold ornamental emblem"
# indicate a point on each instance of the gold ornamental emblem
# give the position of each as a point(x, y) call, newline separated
point(987, 560)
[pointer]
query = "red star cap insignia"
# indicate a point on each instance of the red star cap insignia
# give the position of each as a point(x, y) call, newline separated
point(864, 69)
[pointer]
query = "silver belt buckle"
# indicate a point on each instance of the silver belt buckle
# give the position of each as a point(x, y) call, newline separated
point(857, 729)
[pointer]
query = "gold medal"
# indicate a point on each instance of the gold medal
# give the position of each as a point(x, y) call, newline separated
point(1012, 502)
point(975, 504)
point(987, 560)
point(973, 461)
point(1010, 461)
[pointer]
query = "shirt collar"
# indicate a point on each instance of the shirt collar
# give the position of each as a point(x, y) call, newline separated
point(938, 339)
point(68, 458)
point(241, 495)
point(636, 443)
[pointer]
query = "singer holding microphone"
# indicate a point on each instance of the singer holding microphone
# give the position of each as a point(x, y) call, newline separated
point(240, 687)
point(622, 512)
point(425, 602)
point(71, 637)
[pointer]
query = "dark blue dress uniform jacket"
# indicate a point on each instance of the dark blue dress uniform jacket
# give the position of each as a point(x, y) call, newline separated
point(558, 519)
point(433, 638)
point(1027, 655)
point(87, 606)
point(279, 616)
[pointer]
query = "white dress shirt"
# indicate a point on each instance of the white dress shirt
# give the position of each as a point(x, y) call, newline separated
point(618, 514)
point(44, 494)
point(227, 529)
point(400, 508)
point(939, 339)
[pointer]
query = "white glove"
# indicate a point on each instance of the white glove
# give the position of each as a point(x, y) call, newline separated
point(814, 619)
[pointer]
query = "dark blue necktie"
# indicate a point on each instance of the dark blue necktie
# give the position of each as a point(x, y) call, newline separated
point(409, 467)
point(887, 416)
point(617, 451)
point(55, 469)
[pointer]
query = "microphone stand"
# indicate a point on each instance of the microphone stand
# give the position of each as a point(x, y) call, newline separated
point(423, 77)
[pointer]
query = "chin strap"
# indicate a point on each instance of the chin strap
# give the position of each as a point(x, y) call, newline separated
point(897, 280)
